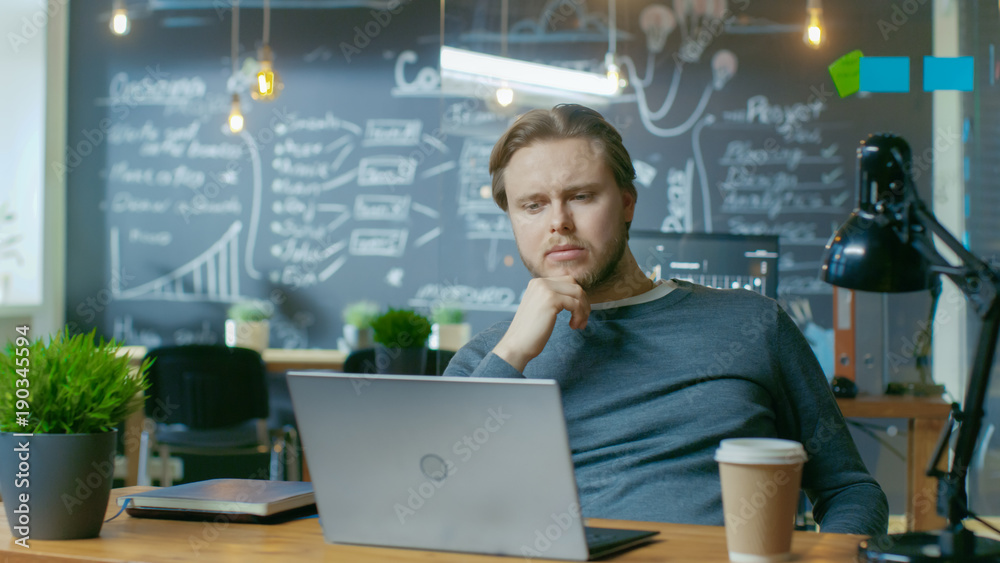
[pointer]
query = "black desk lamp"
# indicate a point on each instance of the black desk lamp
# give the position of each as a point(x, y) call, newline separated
point(886, 245)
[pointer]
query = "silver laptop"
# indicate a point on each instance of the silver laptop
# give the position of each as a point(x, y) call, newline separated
point(445, 464)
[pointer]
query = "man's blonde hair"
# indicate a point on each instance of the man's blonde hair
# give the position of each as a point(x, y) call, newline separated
point(565, 121)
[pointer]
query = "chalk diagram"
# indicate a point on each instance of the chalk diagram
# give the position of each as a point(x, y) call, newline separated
point(309, 234)
point(213, 275)
point(302, 227)
point(316, 236)
point(698, 24)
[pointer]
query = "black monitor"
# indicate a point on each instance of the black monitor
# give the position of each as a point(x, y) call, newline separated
point(710, 259)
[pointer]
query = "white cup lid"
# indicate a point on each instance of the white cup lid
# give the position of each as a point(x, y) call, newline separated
point(767, 451)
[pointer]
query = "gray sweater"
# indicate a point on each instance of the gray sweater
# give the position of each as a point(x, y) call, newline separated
point(650, 389)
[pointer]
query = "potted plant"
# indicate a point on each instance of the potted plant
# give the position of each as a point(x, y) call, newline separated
point(59, 405)
point(401, 341)
point(358, 317)
point(449, 331)
point(248, 325)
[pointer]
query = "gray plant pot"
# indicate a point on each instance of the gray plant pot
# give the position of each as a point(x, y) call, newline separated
point(400, 361)
point(358, 338)
point(66, 479)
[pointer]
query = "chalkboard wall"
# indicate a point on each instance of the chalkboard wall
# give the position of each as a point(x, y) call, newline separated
point(363, 180)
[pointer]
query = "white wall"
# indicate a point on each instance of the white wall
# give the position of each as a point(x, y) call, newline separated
point(21, 150)
point(950, 351)
point(33, 57)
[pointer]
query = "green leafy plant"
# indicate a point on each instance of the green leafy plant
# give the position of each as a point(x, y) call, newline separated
point(75, 386)
point(360, 313)
point(447, 314)
point(401, 328)
point(252, 310)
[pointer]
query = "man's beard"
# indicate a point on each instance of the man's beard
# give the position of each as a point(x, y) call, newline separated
point(603, 273)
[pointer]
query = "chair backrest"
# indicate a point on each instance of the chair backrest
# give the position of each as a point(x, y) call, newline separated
point(363, 361)
point(204, 386)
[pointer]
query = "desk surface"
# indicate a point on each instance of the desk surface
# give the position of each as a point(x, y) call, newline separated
point(140, 539)
point(894, 406)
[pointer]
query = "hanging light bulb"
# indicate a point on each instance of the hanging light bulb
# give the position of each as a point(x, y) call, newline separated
point(613, 71)
point(505, 96)
point(724, 66)
point(815, 34)
point(268, 84)
point(235, 115)
point(119, 23)
point(656, 21)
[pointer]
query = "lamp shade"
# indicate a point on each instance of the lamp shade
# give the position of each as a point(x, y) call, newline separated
point(868, 251)
point(866, 254)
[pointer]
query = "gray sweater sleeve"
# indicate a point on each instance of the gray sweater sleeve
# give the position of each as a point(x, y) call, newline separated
point(476, 358)
point(845, 497)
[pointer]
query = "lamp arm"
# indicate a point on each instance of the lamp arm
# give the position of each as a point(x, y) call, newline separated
point(974, 277)
point(981, 285)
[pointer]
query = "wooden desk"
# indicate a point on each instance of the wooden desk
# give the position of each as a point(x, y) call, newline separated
point(926, 417)
point(139, 539)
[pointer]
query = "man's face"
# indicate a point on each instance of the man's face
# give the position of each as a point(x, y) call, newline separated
point(567, 212)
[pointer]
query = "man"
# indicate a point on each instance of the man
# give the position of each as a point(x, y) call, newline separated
point(652, 376)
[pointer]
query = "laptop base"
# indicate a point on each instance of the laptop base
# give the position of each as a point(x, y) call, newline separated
point(605, 541)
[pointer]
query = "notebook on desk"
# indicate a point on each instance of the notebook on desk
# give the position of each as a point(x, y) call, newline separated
point(237, 500)
point(445, 464)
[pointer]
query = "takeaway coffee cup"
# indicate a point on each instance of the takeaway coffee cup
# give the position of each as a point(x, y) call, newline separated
point(760, 491)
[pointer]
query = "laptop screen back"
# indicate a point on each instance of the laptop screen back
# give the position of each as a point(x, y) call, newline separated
point(454, 464)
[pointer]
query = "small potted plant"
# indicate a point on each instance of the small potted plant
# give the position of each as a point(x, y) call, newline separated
point(60, 403)
point(449, 331)
point(358, 317)
point(401, 341)
point(248, 325)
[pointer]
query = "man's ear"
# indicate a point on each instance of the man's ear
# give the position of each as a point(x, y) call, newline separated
point(628, 205)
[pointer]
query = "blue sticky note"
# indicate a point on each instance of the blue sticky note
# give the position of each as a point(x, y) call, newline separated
point(885, 74)
point(948, 73)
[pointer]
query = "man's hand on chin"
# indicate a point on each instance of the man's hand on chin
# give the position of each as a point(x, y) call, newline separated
point(536, 317)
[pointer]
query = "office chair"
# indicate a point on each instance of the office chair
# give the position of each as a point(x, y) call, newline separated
point(363, 361)
point(211, 400)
